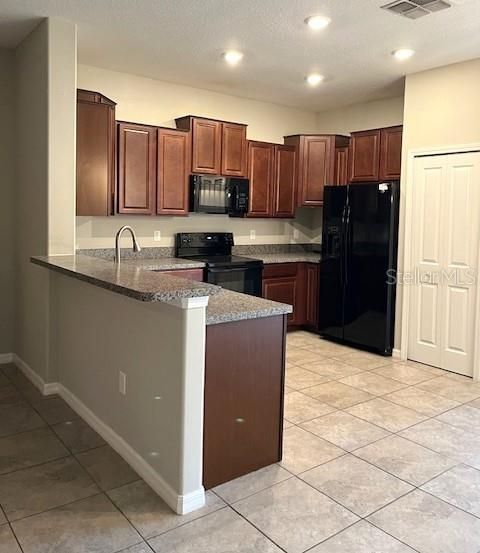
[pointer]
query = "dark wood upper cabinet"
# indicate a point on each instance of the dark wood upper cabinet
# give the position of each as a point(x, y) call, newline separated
point(365, 156)
point(391, 153)
point(95, 154)
point(316, 164)
point(342, 149)
point(376, 155)
point(234, 150)
point(218, 147)
point(284, 189)
point(173, 169)
point(137, 180)
point(261, 171)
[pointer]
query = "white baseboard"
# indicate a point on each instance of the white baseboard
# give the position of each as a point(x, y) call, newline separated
point(181, 504)
point(396, 354)
point(6, 358)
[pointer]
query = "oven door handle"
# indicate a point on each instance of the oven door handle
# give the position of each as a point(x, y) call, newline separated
point(228, 270)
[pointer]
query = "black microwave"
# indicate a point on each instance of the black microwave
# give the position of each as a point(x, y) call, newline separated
point(220, 195)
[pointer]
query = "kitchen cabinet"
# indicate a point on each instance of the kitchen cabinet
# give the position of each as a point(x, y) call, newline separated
point(137, 152)
point(391, 153)
point(218, 147)
point(376, 155)
point(261, 170)
point(341, 164)
point(271, 171)
point(283, 282)
point(244, 381)
point(298, 285)
point(284, 188)
point(312, 276)
point(315, 165)
point(173, 169)
point(95, 154)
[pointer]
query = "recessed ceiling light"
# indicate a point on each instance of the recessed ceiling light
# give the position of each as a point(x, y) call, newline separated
point(232, 56)
point(317, 22)
point(314, 79)
point(403, 54)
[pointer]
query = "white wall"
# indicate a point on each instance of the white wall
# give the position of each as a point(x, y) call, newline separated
point(441, 109)
point(362, 116)
point(44, 219)
point(158, 424)
point(7, 187)
point(158, 103)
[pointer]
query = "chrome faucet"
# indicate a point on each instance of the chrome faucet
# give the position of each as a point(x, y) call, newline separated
point(136, 246)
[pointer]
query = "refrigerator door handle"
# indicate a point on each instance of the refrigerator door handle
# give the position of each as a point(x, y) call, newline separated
point(346, 243)
point(342, 247)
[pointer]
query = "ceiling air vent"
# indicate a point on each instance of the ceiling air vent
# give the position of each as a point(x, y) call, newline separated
point(414, 9)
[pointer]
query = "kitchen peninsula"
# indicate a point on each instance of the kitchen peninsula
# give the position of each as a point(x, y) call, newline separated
point(183, 379)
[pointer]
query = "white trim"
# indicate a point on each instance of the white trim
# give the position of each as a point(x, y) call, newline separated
point(181, 504)
point(396, 354)
point(6, 358)
point(190, 303)
point(408, 241)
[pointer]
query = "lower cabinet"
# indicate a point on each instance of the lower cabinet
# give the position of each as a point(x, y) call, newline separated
point(244, 377)
point(296, 284)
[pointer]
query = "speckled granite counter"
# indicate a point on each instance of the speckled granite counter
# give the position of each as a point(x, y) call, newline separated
point(301, 257)
point(228, 306)
point(139, 280)
point(129, 279)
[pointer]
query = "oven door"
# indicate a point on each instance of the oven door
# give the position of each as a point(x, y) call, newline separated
point(247, 280)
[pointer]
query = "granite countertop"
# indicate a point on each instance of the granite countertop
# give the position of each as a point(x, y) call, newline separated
point(228, 306)
point(300, 257)
point(163, 264)
point(129, 279)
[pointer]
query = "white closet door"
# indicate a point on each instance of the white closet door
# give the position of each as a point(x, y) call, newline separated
point(446, 241)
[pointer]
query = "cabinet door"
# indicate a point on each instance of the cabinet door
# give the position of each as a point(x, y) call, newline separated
point(261, 174)
point(173, 162)
point(234, 150)
point(365, 156)
point(312, 272)
point(391, 153)
point(95, 156)
point(283, 290)
point(206, 146)
point(317, 163)
point(137, 149)
point(341, 166)
point(284, 190)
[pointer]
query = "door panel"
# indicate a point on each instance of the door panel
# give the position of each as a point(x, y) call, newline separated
point(284, 195)
point(317, 168)
point(234, 150)
point(206, 146)
point(136, 168)
point(368, 290)
point(365, 156)
point(260, 172)
point(331, 291)
point(391, 153)
point(446, 207)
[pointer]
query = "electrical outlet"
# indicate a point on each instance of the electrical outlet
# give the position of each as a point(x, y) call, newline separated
point(253, 234)
point(296, 233)
point(122, 383)
point(157, 236)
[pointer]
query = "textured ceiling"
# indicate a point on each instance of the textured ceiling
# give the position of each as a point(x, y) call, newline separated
point(181, 41)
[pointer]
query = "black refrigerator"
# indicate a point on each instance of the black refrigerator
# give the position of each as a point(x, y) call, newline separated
point(358, 266)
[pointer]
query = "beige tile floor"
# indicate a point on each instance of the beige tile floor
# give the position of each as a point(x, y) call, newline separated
point(379, 457)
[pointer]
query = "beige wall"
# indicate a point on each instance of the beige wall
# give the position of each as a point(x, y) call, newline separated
point(44, 218)
point(441, 109)
point(362, 116)
point(7, 184)
point(159, 103)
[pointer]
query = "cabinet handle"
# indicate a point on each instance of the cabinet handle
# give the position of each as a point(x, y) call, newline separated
point(240, 420)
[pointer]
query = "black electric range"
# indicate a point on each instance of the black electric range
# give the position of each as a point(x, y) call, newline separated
point(241, 274)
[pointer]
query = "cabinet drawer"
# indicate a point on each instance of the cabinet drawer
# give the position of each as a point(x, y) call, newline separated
point(191, 274)
point(278, 270)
